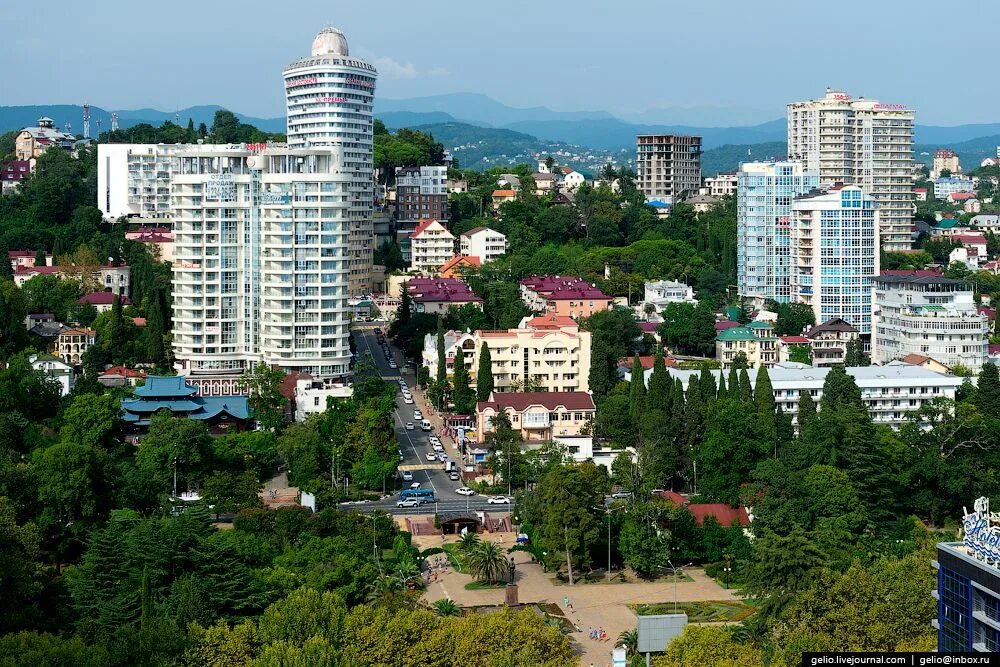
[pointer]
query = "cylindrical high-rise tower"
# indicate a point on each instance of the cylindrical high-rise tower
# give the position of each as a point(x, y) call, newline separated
point(329, 98)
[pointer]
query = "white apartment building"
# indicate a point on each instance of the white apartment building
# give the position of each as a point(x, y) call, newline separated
point(944, 159)
point(260, 267)
point(329, 97)
point(890, 392)
point(484, 243)
point(550, 351)
point(835, 254)
point(133, 180)
point(765, 191)
point(860, 142)
point(431, 245)
point(945, 187)
point(722, 184)
point(927, 315)
point(663, 292)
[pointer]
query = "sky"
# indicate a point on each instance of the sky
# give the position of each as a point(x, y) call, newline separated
point(716, 60)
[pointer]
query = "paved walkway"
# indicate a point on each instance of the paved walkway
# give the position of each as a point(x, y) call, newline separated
point(592, 605)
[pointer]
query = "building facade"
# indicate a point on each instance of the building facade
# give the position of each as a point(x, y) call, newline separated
point(437, 295)
point(31, 142)
point(484, 243)
point(828, 341)
point(946, 187)
point(765, 191)
point(723, 184)
point(329, 97)
point(421, 194)
point(133, 180)
point(668, 166)
point(261, 262)
point(835, 254)
point(538, 416)
point(756, 341)
point(568, 296)
point(660, 293)
point(431, 246)
point(931, 316)
point(968, 585)
point(945, 160)
point(889, 392)
point(860, 142)
point(72, 343)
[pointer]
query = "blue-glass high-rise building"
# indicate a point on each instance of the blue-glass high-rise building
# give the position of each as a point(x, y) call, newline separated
point(968, 588)
point(764, 194)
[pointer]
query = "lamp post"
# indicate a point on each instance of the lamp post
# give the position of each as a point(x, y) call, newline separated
point(607, 511)
point(674, 569)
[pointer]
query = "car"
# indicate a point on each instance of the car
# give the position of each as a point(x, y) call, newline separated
point(621, 495)
point(655, 492)
point(415, 485)
point(408, 399)
point(431, 456)
point(408, 502)
point(453, 475)
point(417, 414)
point(465, 491)
point(437, 448)
point(378, 330)
point(409, 426)
point(392, 364)
point(407, 476)
point(498, 500)
point(434, 440)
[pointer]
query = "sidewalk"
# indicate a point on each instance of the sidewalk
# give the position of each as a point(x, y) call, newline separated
point(591, 605)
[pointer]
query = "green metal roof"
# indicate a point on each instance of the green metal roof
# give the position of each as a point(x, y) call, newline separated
point(737, 333)
point(760, 325)
point(947, 223)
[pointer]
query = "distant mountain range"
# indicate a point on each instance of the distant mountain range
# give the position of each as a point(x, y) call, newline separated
point(494, 133)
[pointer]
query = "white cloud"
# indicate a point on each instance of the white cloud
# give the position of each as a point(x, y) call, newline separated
point(392, 69)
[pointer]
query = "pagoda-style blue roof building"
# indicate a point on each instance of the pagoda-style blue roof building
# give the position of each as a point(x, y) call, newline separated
point(222, 413)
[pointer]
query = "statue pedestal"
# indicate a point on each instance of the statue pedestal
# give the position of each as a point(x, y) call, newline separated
point(510, 595)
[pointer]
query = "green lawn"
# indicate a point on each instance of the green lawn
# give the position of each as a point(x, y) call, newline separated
point(710, 611)
point(479, 586)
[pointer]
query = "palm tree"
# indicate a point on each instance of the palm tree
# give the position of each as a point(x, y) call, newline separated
point(381, 588)
point(468, 542)
point(630, 640)
point(407, 571)
point(446, 607)
point(488, 563)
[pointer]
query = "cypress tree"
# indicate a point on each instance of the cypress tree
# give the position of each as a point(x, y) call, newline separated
point(637, 392)
point(6, 270)
point(154, 330)
point(660, 384)
point(764, 392)
point(734, 382)
point(442, 367)
point(463, 396)
point(484, 376)
point(694, 415)
point(40, 258)
point(784, 433)
point(116, 330)
point(58, 250)
point(723, 392)
point(987, 397)
point(706, 382)
point(746, 392)
point(806, 411)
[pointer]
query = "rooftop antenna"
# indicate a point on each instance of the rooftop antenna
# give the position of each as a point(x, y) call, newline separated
point(86, 121)
point(69, 128)
point(98, 121)
point(114, 121)
point(177, 118)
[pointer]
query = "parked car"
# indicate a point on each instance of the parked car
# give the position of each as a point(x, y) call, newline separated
point(407, 476)
point(409, 502)
point(498, 500)
point(409, 426)
point(417, 414)
point(437, 448)
point(415, 485)
point(453, 475)
point(407, 399)
point(621, 495)
point(431, 456)
point(465, 491)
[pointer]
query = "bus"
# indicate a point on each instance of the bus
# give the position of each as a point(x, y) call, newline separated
point(423, 495)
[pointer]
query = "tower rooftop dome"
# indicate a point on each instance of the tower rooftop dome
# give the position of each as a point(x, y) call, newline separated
point(330, 41)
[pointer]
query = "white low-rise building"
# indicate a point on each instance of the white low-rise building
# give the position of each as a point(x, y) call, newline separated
point(890, 392)
point(663, 292)
point(55, 369)
point(482, 242)
point(431, 245)
point(311, 396)
point(931, 316)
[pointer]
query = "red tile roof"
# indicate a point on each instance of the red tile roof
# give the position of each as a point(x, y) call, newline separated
point(424, 224)
point(991, 313)
point(795, 340)
point(726, 515)
point(460, 259)
point(123, 372)
point(970, 238)
point(102, 299)
point(725, 324)
point(916, 359)
point(551, 322)
point(450, 290)
point(550, 400)
point(647, 362)
point(503, 193)
point(994, 350)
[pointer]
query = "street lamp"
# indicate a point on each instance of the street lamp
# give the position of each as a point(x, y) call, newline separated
point(608, 511)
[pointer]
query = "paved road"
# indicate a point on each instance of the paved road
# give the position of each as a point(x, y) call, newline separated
point(414, 444)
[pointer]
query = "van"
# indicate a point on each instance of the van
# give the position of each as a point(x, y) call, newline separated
point(425, 425)
point(451, 466)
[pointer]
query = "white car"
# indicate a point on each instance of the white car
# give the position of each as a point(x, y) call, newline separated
point(409, 502)
point(407, 399)
point(465, 491)
point(409, 426)
point(417, 414)
point(437, 448)
point(499, 500)
point(407, 476)
point(415, 485)
point(392, 364)
point(431, 456)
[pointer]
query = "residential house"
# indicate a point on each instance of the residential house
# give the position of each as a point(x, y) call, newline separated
point(437, 295)
point(482, 242)
point(755, 340)
point(103, 301)
point(12, 173)
point(926, 362)
point(509, 181)
point(829, 341)
point(457, 265)
point(701, 202)
point(502, 196)
point(787, 344)
point(25, 259)
point(431, 245)
point(725, 515)
point(31, 142)
point(660, 293)
point(538, 416)
point(55, 369)
point(722, 184)
point(158, 240)
point(563, 295)
point(545, 183)
point(572, 179)
point(121, 376)
point(72, 343)
point(920, 194)
point(107, 277)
